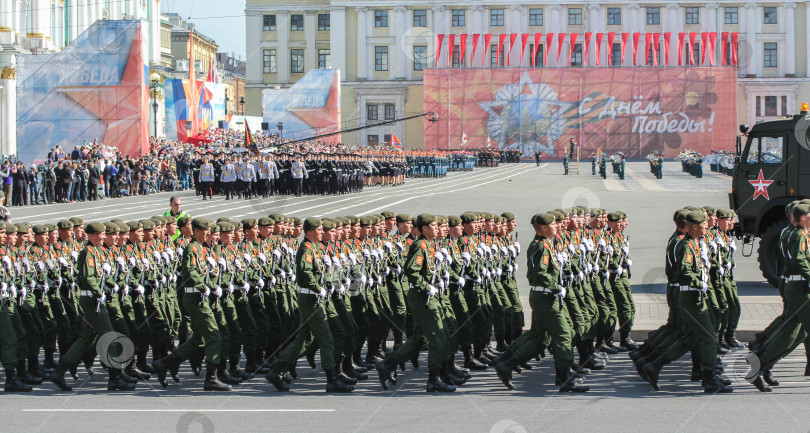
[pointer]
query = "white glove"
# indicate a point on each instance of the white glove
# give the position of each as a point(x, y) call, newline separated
point(260, 284)
point(207, 292)
point(610, 249)
point(292, 277)
point(510, 269)
point(121, 263)
point(461, 282)
point(166, 257)
point(480, 251)
point(375, 255)
point(441, 284)
point(713, 246)
point(282, 274)
point(230, 288)
point(580, 275)
point(157, 257)
point(169, 253)
point(4, 287)
point(132, 262)
point(467, 258)
point(390, 247)
point(245, 287)
point(115, 288)
point(238, 264)
point(449, 259)
point(23, 292)
point(273, 280)
point(49, 263)
point(589, 268)
point(572, 249)
point(363, 279)
point(322, 293)
point(512, 250)
point(211, 262)
point(733, 246)
point(246, 258)
point(222, 263)
point(106, 268)
point(262, 259)
point(704, 287)
point(596, 268)
point(439, 257)
point(444, 251)
point(125, 290)
point(179, 252)
point(499, 272)
point(74, 255)
point(379, 279)
point(145, 262)
point(342, 290)
point(32, 283)
point(582, 248)
point(218, 292)
point(336, 261)
point(9, 265)
point(719, 241)
point(516, 267)
point(163, 280)
point(366, 253)
point(12, 290)
point(432, 290)
point(479, 280)
point(619, 271)
point(140, 290)
point(629, 263)
point(102, 298)
point(327, 262)
point(517, 246)
point(563, 292)
point(277, 254)
point(40, 266)
point(353, 259)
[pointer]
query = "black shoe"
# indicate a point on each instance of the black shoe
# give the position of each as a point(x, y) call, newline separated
point(57, 376)
point(504, 371)
point(126, 378)
point(653, 369)
point(13, 384)
point(136, 373)
point(274, 376)
point(385, 370)
point(593, 364)
point(436, 385)
point(120, 385)
point(346, 379)
point(226, 378)
point(610, 350)
point(212, 382)
point(475, 365)
point(334, 384)
point(767, 376)
point(569, 383)
point(460, 372)
point(760, 384)
point(146, 368)
point(628, 344)
point(711, 384)
point(162, 367)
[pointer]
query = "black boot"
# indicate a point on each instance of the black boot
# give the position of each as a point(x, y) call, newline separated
point(133, 371)
point(731, 340)
point(448, 377)
point(759, 383)
point(12, 383)
point(117, 383)
point(436, 385)
point(212, 382)
point(569, 382)
point(721, 345)
point(224, 377)
point(57, 376)
point(385, 371)
point(641, 362)
point(351, 372)
point(24, 377)
point(342, 376)
point(711, 383)
point(628, 342)
point(504, 370)
point(163, 365)
point(460, 372)
point(586, 360)
point(697, 370)
point(470, 362)
point(126, 378)
point(276, 375)
point(48, 362)
point(653, 369)
point(235, 371)
point(195, 361)
point(142, 364)
point(357, 358)
point(767, 376)
point(310, 355)
point(334, 384)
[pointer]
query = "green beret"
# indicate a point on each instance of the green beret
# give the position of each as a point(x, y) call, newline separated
point(544, 219)
point(134, 225)
point(595, 212)
point(39, 229)
point(111, 228)
point(297, 221)
point(615, 216)
point(123, 227)
point(50, 227)
point(200, 223)
point(798, 211)
point(10, 228)
point(693, 208)
point(353, 219)
point(311, 223)
point(117, 220)
point(157, 221)
point(509, 216)
point(226, 226)
point(403, 218)
point(695, 217)
point(213, 228)
point(248, 223)
point(95, 228)
point(64, 225)
point(277, 217)
point(387, 214)
point(22, 228)
point(223, 219)
point(147, 224)
point(709, 210)
point(365, 221)
point(724, 213)
point(440, 219)
point(468, 217)
point(558, 216)
point(425, 219)
point(453, 221)
point(328, 224)
point(266, 221)
point(680, 215)
point(77, 221)
point(183, 220)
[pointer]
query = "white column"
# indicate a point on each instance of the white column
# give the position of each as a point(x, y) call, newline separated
point(19, 6)
point(253, 41)
point(362, 27)
point(751, 24)
point(637, 24)
point(8, 100)
point(6, 21)
point(283, 50)
point(807, 36)
point(477, 26)
point(594, 23)
point(438, 26)
point(789, 49)
point(310, 29)
point(396, 55)
point(514, 24)
point(155, 42)
point(557, 24)
point(337, 39)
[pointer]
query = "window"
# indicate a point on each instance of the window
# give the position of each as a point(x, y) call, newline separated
point(765, 150)
point(493, 52)
point(373, 140)
point(381, 58)
point(692, 15)
point(729, 47)
point(419, 57)
point(616, 54)
point(732, 16)
point(387, 138)
point(324, 61)
point(371, 112)
point(323, 22)
point(297, 22)
point(456, 60)
point(695, 55)
point(459, 18)
point(269, 61)
point(769, 57)
point(269, 23)
point(419, 18)
point(296, 61)
point(769, 15)
point(381, 18)
point(535, 17)
point(538, 57)
point(576, 56)
point(496, 17)
point(390, 112)
point(650, 53)
point(574, 16)
point(770, 105)
point(614, 16)
point(653, 16)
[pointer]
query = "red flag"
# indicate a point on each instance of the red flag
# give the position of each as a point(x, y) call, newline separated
point(560, 41)
point(512, 39)
point(439, 40)
point(692, 36)
point(704, 45)
point(599, 37)
point(734, 36)
point(681, 37)
point(723, 48)
point(524, 38)
point(451, 46)
point(710, 47)
point(501, 39)
point(249, 143)
point(636, 37)
point(462, 48)
point(487, 38)
point(624, 44)
point(537, 38)
point(585, 48)
point(611, 36)
point(549, 40)
point(656, 39)
point(647, 44)
point(667, 35)
point(475, 45)
point(572, 43)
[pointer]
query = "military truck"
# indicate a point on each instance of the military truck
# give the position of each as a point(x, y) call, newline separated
point(772, 168)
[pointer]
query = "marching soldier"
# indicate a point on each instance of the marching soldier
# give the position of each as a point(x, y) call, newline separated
point(206, 177)
point(228, 177)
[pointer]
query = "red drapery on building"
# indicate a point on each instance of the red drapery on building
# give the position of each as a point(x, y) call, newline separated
point(636, 37)
point(439, 41)
point(681, 37)
point(462, 48)
point(734, 40)
point(524, 38)
point(624, 44)
point(572, 43)
point(560, 41)
point(537, 38)
point(611, 37)
point(585, 48)
point(451, 46)
point(667, 35)
point(487, 38)
point(599, 37)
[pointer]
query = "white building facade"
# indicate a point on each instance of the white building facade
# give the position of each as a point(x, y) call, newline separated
point(382, 47)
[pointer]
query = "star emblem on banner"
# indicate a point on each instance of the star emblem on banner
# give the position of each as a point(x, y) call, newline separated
point(761, 186)
point(527, 116)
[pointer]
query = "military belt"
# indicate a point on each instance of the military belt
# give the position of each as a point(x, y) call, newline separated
point(309, 292)
point(191, 290)
point(542, 290)
point(794, 278)
point(690, 289)
point(87, 293)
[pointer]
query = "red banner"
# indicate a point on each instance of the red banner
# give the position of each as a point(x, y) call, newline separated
point(585, 49)
point(667, 35)
point(636, 37)
point(537, 38)
point(692, 36)
point(632, 110)
point(512, 39)
point(704, 48)
point(475, 37)
point(572, 43)
point(624, 45)
point(549, 40)
point(560, 41)
point(451, 46)
point(710, 47)
point(656, 40)
point(439, 40)
point(462, 48)
point(723, 47)
point(734, 36)
point(647, 45)
point(611, 36)
point(501, 39)
point(681, 37)
point(599, 47)
point(524, 38)
point(487, 38)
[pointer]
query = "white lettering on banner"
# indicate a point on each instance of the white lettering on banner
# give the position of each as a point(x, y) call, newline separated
point(672, 122)
point(100, 75)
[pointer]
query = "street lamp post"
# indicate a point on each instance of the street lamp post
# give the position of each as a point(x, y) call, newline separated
point(155, 103)
point(280, 126)
point(242, 104)
point(226, 102)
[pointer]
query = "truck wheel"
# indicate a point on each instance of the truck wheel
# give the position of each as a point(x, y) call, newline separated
point(768, 245)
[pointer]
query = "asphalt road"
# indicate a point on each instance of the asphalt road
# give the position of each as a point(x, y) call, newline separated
point(618, 401)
